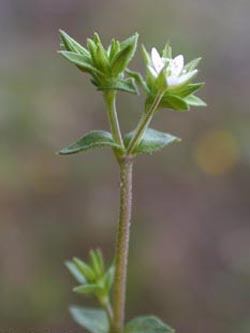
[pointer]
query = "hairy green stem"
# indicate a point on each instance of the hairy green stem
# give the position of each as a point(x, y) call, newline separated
point(122, 244)
point(144, 123)
point(110, 96)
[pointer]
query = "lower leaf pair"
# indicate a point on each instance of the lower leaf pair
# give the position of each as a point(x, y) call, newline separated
point(96, 321)
point(152, 141)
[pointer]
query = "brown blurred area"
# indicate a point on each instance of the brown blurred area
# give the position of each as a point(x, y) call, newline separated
point(190, 250)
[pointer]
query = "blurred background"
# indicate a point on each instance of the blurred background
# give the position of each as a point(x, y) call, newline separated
point(190, 250)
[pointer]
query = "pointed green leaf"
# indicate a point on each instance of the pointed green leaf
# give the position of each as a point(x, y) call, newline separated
point(192, 64)
point(92, 50)
point(174, 102)
point(71, 45)
point(75, 272)
point(85, 269)
point(95, 264)
point(127, 85)
point(100, 259)
point(132, 40)
point(148, 324)
point(94, 320)
point(152, 141)
point(93, 139)
point(190, 88)
point(125, 55)
point(194, 101)
point(81, 61)
point(88, 289)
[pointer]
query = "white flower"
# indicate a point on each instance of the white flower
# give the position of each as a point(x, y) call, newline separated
point(174, 70)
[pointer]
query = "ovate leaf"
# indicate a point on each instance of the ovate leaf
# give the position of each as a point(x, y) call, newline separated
point(152, 141)
point(148, 324)
point(190, 88)
point(94, 320)
point(194, 101)
point(81, 61)
point(88, 289)
point(127, 85)
point(93, 139)
point(75, 272)
point(174, 102)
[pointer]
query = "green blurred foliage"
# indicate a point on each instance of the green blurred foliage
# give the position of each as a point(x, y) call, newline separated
point(191, 202)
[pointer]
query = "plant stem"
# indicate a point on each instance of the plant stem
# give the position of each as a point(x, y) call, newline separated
point(122, 244)
point(144, 123)
point(110, 96)
point(108, 309)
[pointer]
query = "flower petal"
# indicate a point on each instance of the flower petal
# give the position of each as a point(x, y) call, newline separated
point(176, 65)
point(177, 81)
point(156, 60)
point(172, 81)
point(188, 76)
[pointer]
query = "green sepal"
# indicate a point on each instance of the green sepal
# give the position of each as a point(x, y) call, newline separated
point(151, 141)
point(91, 140)
point(167, 51)
point(145, 55)
point(147, 324)
point(101, 56)
point(108, 278)
point(75, 272)
point(160, 82)
point(96, 265)
point(113, 49)
point(93, 320)
point(81, 61)
point(71, 45)
point(125, 55)
point(193, 100)
point(127, 85)
point(190, 88)
point(92, 50)
point(174, 102)
point(192, 64)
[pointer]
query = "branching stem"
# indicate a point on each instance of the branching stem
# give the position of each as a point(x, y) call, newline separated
point(144, 123)
point(110, 98)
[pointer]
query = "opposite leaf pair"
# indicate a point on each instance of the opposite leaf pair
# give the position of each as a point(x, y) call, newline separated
point(96, 281)
point(96, 321)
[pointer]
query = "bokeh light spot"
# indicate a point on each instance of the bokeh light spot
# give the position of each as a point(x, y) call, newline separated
point(216, 152)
